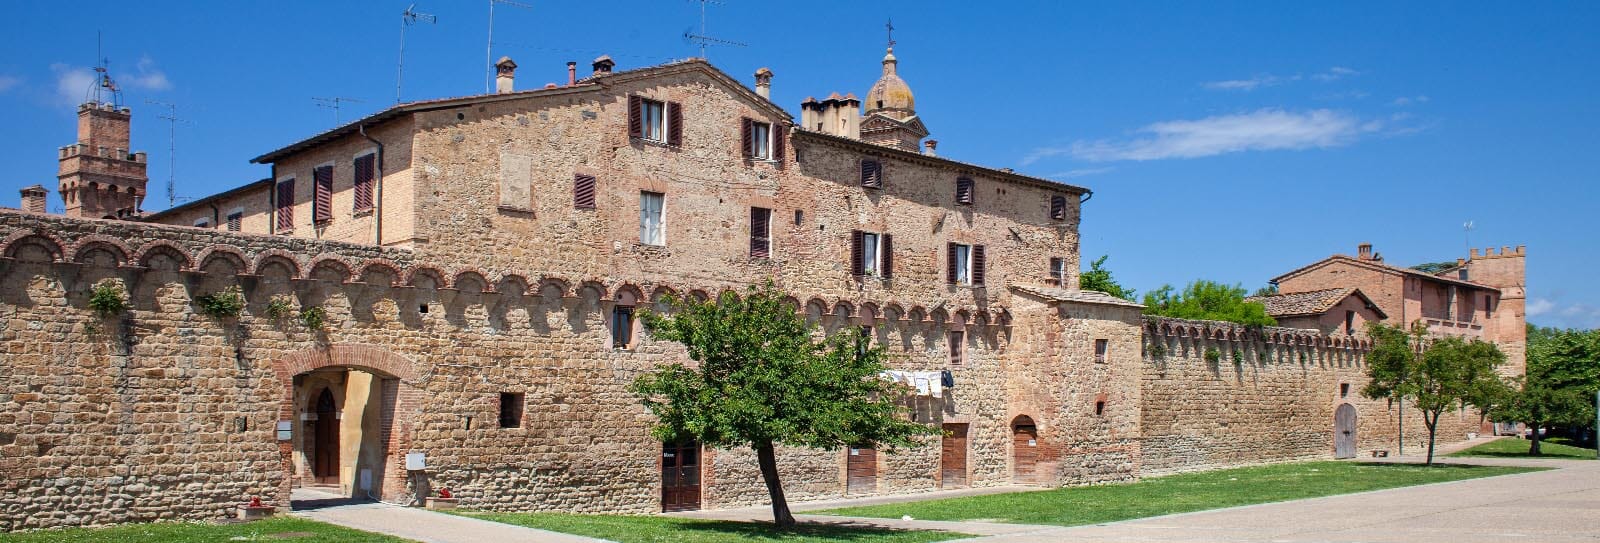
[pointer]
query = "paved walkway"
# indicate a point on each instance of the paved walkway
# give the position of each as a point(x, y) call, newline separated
point(418, 524)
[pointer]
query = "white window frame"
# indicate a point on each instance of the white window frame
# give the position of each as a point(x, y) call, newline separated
point(760, 140)
point(963, 264)
point(872, 254)
point(653, 120)
point(660, 234)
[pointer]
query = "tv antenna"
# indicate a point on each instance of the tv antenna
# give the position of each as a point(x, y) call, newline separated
point(102, 79)
point(488, 50)
point(703, 39)
point(407, 18)
point(171, 116)
point(333, 103)
point(1466, 230)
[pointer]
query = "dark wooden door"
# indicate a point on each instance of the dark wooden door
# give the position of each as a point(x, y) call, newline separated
point(680, 476)
point(861, 470)
point(953, 457)
point(1344, 432)
point(325, 456)
point(1025, 447)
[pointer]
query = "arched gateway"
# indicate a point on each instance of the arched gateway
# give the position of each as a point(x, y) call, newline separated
point(349, 411)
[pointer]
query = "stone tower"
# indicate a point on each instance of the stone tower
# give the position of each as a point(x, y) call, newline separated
point(891, 117)
point(100, 177)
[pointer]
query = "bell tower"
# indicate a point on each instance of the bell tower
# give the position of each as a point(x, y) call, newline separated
point(100, 177)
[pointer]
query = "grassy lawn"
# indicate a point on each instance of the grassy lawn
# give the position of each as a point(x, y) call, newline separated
point(285, 529)
point(653, 529)
point(1178, 493)
point(1509, 447)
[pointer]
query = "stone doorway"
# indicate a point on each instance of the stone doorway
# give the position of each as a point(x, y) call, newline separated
point(324, 439)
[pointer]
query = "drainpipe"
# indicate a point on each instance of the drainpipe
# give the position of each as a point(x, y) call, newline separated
point(377, 203)
point(1087, 195)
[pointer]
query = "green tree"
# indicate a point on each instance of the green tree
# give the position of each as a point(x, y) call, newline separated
point(1207, 300)
point(1271, 289)
point(765, 379)
point(1099, 279)
point(1434, 374)
point(1559, 384)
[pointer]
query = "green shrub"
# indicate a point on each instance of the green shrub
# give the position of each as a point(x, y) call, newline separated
point(278, 307)
point(1207, 300)
point(107, 298)
point(313, 317)
point(1157, 351)
point(1213, 355)
point(227, 303)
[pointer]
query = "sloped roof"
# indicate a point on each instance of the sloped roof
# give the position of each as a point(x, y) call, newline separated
point(1380, 266)
point(1313, 302)
point(1075, 296)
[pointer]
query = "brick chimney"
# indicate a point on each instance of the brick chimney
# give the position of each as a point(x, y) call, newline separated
point(572, 73)
point(505, 75)
point(929, 146)
point(764, 83)
point(33, 199)
point(1364, 251)
point(603, 65)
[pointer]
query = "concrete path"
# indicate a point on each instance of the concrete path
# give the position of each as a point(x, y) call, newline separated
point(1556, 506)
point(418, 524)
point(764, 513)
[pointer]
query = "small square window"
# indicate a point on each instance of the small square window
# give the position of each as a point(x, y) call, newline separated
point(651, 112)
point(1101, 348)
point(1099, 408)
point(511, 409)
point(234, 221)
point(202, 223)
point(1344, 389)
point(761, 141)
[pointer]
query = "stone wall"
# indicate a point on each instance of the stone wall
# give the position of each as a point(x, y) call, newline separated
point(1268, 395)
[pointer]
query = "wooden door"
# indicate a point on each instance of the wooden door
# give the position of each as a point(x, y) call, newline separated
point(953, 457)
point(680, 476)
point(1344, 432)
point(1025, 450)
point(325, 456)
point(861, 471)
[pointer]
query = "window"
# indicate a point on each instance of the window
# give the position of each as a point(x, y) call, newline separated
point(757, 140)
point(285, 205)
point(760, 232)
point(235, 219)
point(583, 190)
point(1461, 274)
point(656, 121)
point(1100, 407)
point(511, 409)
point(652, 228)
point(365, 168)
point(871, 174)
point(1488, 306)
point(964, 264)
point(322, 205)
point(958, 347)
point(1349, 322)
point(1344, 389)
point(964, 190)
point(1058, 271)
point(1058, 207)
point(799, 216)
point(622, 325)
point(202, 223)
point(871, 254)
point(1101, 348)
point(1450, 303)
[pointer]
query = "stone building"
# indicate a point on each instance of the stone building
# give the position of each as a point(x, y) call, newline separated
point(458, 278)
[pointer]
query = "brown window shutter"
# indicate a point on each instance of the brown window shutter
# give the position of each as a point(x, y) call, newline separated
point(363, 189)
point(977, 264)
point(780, 138)
point(950, 263)
point(1058, 207)
point(746, 146)
point(964, 187)
point(323, 205)
point(583, 191)
point(886, 250)
point(871, 174)
point(286, 205)
point(857, 256)
point(635, 117)
point(674, 124)
point(760, 242)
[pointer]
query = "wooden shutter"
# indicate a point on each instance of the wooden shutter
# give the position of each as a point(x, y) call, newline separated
point(583, 191)
point(286, 205)
point(964, 188)
point(857, 255)
point(780, 134)
point(760, 242)
point(674, 124)
point(977, 264)
point(886, 254)
point(322, 207)
point(635, 117)
point(747, 147)
point(871, 174)
point(950, 263)
point(363, 181)
point(1058, 207)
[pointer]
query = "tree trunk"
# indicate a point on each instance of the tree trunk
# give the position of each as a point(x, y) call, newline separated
point(1533, 450)
point(769, 473)
point(1432, 422)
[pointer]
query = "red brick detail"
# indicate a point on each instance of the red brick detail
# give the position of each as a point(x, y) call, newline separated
point(232, 255)
point(99, 241)
point(149, 249)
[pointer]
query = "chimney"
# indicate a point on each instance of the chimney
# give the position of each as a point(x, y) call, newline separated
point(505, 75)
point(33, 199)
point(603, 65)
point(929, 147)
point(1364, 251)
point(764, 83)
point(572, 73)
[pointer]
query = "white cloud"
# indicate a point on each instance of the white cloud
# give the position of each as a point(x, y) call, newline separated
point(1261, 130)
point(1268, 80)
point(1408, 100)
point(72, 84)
point(7, 82)
point(147, 76)
point(1564, 315)
point(1334, 74)
point(1540, 306)
point(1069, 174)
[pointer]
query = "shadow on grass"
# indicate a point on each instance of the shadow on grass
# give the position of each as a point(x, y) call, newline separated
point(841, 530)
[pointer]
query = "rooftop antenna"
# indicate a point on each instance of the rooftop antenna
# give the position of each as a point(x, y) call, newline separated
point(407, 18)
point(333, 103)
point(102, 79)
point(171, 116)
point(1466, 229)
point(702, 39)
point(488, 50)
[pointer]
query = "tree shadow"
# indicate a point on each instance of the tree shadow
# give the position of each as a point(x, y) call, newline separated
point(836, 530)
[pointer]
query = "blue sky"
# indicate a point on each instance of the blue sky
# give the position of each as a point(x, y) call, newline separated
point(1229, 141)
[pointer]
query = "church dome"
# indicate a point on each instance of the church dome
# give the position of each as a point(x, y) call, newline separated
point(890, 93)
